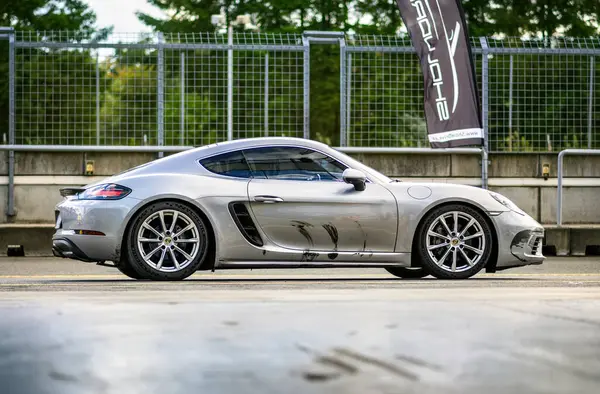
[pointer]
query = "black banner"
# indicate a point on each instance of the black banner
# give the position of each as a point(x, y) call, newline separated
point(439, 33)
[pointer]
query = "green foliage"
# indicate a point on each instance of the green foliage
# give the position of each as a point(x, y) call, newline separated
point(43, 86)
point(29, 15)
point(59, 107)
point(515, 143)
point(574, 18)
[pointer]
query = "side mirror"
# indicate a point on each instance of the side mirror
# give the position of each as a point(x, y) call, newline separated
point(356, 178)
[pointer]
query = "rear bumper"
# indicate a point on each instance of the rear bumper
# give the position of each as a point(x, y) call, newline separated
point(64, 248)
point(106, 217)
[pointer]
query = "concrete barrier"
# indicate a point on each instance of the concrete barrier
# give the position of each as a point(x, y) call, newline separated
point(36, 239)
point(40, 175)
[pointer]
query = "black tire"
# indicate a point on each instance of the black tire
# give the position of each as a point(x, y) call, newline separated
point(144, 269)
point(126, 269)
point(408, 273)
point(472, 246)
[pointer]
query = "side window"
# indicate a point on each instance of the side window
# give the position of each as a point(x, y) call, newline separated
point(231, 164)
point(293, 163)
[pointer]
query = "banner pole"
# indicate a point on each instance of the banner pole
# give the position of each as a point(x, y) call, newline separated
point(484, 111)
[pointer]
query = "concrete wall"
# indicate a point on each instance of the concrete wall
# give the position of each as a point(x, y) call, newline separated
point(39, 176)
point(518, 176)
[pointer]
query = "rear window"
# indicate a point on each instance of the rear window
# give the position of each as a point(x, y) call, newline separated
point(230, 164)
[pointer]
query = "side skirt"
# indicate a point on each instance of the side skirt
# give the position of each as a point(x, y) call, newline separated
point(398, 260)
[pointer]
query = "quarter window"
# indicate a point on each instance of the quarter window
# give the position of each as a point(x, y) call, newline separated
point(293, 163)
point(231, 164)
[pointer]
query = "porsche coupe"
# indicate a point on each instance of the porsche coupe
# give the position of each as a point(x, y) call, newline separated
point(288, 203)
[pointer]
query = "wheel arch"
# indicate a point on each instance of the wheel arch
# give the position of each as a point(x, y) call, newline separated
point(211, 256)
point(491, 265)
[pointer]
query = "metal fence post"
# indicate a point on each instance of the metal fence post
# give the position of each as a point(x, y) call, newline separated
point(484, 111)
point(10, 212)
point(266, 110)
point(306, 84)
point(591, 101)
point(343, 92)
point(97, 99)
point(510, 103)
point(348, 95)
point(182, 98)
point(160, 117)
point(230, 83)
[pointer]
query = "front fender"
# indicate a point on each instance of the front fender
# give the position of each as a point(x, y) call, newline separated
point(412, 210)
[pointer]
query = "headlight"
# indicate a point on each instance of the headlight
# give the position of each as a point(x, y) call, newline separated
point(507, 203)
point(108, 191)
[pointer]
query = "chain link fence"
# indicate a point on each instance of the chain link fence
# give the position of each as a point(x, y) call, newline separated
point(156, 89)
point(544, 95)
point(194, 89)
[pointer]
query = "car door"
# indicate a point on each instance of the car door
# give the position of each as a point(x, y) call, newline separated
point(300, 201)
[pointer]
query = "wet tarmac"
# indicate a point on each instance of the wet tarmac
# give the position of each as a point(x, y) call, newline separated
point(68, 327)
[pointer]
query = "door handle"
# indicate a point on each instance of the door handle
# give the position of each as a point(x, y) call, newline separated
point(268, 199)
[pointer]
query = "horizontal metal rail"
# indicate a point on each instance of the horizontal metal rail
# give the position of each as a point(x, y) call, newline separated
point(541, 51)
point(316, 33)
point(167, 46)
point(424, 151)
point(166, 148)
point(380, 49)
point(93, 148)
point(559, 193)
point(299, 47)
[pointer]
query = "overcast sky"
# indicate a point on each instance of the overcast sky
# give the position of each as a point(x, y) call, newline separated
point(121, 14)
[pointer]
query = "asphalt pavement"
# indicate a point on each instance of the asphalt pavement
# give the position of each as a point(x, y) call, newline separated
point(69, 327)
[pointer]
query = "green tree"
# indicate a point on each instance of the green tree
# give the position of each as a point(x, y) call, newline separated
point(185, 15)
point(575, 18)
point(43, 15)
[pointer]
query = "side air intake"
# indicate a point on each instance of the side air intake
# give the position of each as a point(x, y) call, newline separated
point(242, 219)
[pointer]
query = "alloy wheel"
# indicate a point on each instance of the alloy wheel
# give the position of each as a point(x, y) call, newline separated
point(168, 240)
point(455, 241)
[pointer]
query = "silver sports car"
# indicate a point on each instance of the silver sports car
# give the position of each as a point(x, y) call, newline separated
point(286, 202)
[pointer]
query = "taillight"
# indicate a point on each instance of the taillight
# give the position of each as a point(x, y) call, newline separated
point(88, 232)
point(104, 192)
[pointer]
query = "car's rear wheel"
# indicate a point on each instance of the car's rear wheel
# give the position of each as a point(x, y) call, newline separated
point(455, 242)
point(167, 241)
point(408, 272)
point(126, 269)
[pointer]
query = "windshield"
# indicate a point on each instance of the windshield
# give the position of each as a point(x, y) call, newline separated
point(358, 165)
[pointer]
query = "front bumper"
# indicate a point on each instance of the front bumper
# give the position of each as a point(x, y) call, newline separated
point(527, 246)
point(520, 240)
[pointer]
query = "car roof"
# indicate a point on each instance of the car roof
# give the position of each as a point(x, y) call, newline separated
point(228, 146)
point(209, 150)
point(184, 160)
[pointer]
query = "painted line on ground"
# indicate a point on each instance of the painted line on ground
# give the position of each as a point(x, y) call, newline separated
point(284, 277)
point(225, 283)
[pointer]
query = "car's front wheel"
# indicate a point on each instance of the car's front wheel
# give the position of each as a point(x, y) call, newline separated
point(455, 242)
point(167, 241)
